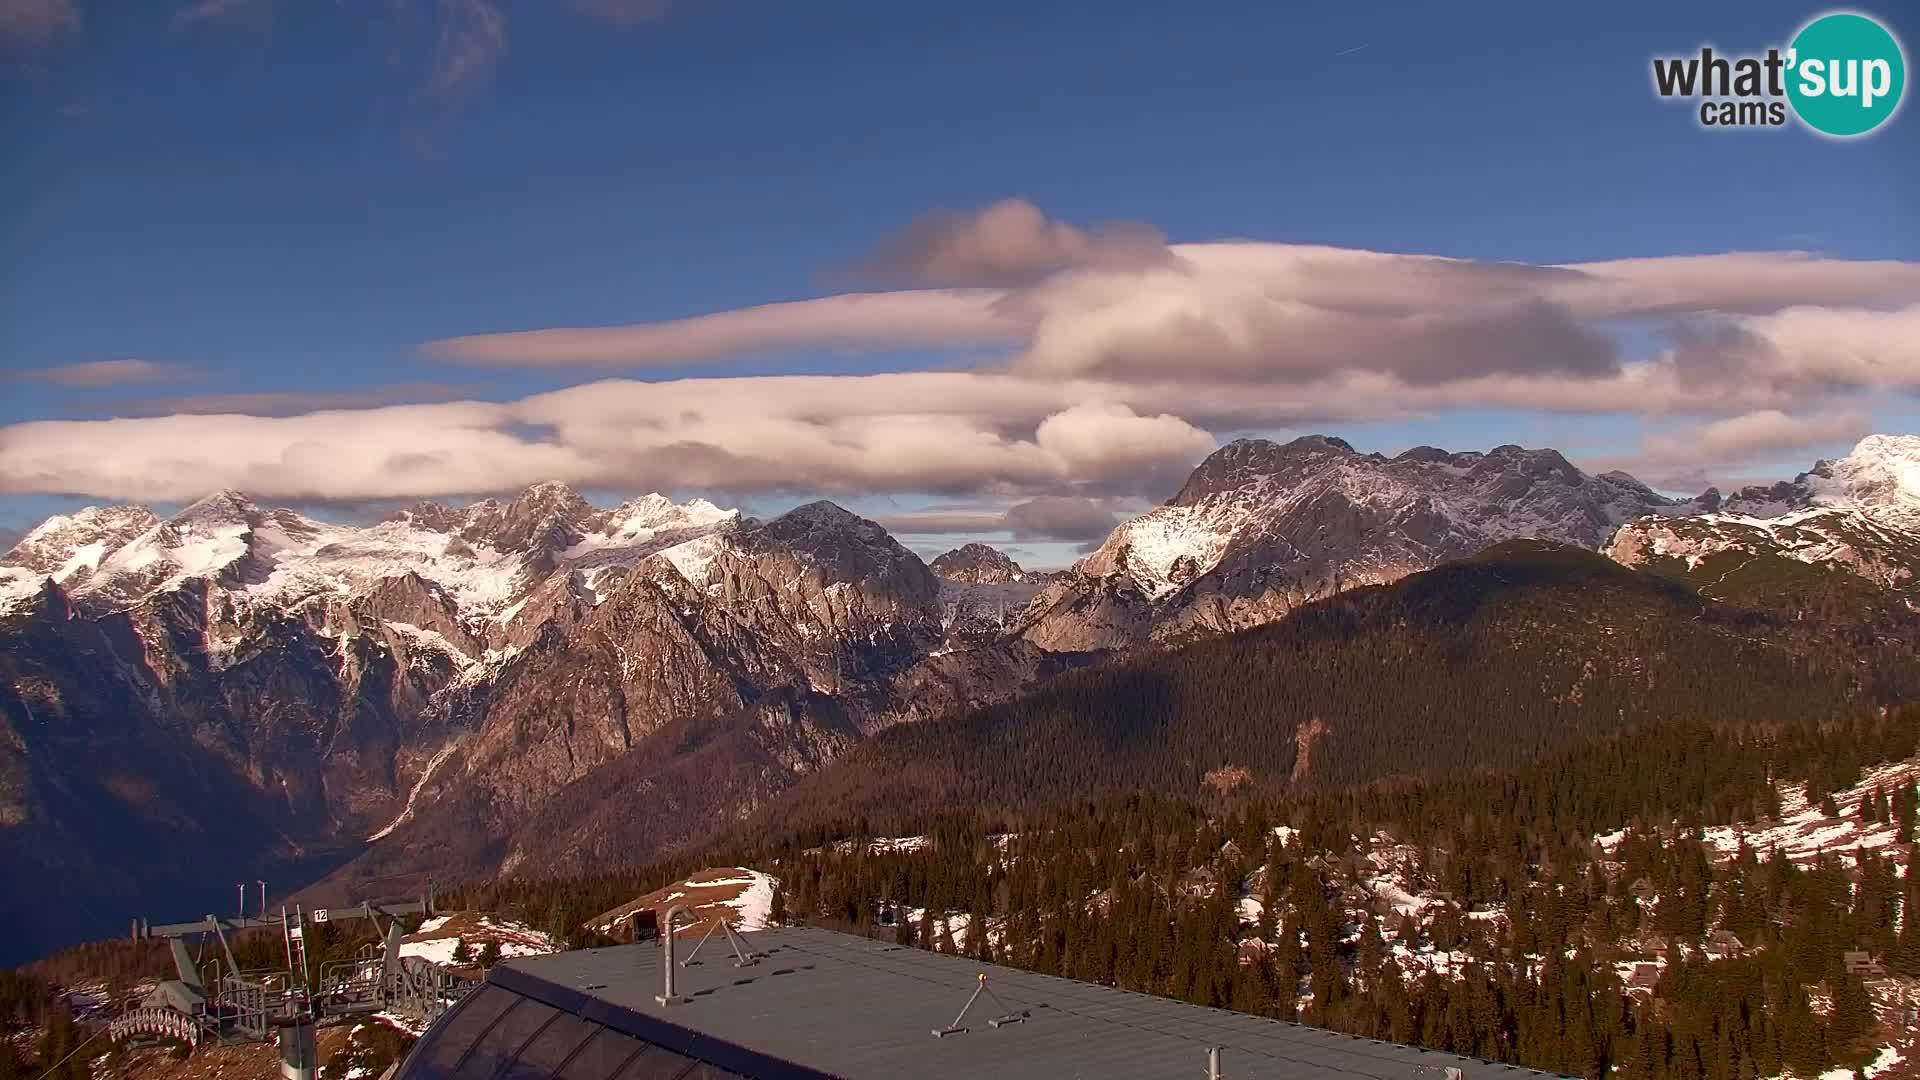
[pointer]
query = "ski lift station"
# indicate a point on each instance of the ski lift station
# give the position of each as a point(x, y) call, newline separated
point(805, 1002)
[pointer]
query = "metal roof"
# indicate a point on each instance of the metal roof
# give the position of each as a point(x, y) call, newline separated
point(819, 1003)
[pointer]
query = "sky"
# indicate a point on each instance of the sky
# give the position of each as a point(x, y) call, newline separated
point(998, 271)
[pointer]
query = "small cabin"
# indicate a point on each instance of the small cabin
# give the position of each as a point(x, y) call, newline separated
point(1862, 964)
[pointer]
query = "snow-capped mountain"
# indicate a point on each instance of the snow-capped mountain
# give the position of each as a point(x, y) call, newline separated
point(1261, 527)
point(1861, 512)
point(334, 682)
point(481, 557)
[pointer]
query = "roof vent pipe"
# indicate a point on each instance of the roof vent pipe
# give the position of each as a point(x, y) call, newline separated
point(666, 995)
point(1213, 1064)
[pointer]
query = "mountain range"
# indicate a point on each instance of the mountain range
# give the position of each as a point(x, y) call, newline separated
point(235, 691)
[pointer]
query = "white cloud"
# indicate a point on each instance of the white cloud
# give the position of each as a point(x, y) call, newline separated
point(1107, 379)
point(1293, 324)
point(920, 432)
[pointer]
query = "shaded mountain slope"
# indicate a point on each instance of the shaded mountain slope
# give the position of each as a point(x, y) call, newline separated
point(1486, 662)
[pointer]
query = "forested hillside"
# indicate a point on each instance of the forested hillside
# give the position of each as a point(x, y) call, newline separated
point(1566, 914)
point(1484, 663)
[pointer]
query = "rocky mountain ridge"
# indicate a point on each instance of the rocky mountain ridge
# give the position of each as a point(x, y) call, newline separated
point(1860, 513)
point(511, 683)
point(1262, 527)
point(337, 683)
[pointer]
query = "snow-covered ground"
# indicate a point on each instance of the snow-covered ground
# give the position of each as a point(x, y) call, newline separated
point(753, 906)
point(740, 895)
point(1886, 1060)
point(1803, 831)
point(439, 937)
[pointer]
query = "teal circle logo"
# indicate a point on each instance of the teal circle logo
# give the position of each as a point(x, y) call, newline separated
point(1846, 74)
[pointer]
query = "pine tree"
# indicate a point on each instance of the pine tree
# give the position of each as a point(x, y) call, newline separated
point(1852, 1011)
point(461, 953)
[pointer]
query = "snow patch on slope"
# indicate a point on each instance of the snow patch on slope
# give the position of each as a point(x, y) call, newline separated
point(1803, 831)
point(695, 557)
point(413, 796)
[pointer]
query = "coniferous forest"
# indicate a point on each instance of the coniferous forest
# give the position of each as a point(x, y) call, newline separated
point(1523, 954)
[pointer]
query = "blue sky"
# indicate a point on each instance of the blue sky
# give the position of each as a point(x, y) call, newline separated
point(279, 198)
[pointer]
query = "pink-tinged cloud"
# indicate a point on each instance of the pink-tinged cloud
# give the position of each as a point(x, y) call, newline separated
point(1100, 379)
point(36, 22)
point(291, 402)
point(936, 319)
point(100, 373)
point(1008, 243)
point(1737, 438)
point(1292, 317)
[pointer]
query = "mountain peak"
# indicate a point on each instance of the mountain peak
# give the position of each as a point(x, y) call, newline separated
point(224, 507)
point(978, 564)
point(1246, 462)
point(548, 495)
point(1882, 472)
point(822, 512)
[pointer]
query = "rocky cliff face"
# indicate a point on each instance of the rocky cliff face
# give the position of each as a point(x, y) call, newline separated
point(260, 689)
point(983, 592)
point(1262, 527)
point(339, 683)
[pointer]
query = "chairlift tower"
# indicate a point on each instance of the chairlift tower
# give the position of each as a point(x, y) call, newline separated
point(226, 1004)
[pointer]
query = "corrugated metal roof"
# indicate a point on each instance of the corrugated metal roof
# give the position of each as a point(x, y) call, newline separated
point(840, 1005)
